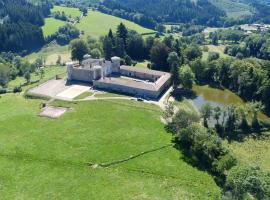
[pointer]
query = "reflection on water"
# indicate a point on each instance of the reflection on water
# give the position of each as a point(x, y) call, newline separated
point(217, 97)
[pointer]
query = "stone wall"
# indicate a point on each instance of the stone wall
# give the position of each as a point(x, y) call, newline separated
point(79, 74)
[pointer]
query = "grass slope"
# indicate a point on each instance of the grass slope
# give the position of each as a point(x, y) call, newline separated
point(72, 12)
point(98, 24)
point(48, 159)
point(51, 53)
point(51, 26)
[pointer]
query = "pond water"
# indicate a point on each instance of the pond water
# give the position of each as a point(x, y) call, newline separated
point(217, 97)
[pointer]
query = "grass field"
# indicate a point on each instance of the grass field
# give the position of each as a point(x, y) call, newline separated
point(51, 26)
point(72, 12)
point(49, 72)
point(48, 159)
point(51, 53)
point(212, 48)
point(98, 24)
point(142, 64)
point(254, 152)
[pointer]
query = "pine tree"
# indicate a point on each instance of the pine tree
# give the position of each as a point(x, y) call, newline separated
point(122, 33)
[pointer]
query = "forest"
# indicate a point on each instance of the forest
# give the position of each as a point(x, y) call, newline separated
point(20, 24)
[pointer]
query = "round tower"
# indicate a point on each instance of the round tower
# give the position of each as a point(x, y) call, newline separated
point(116, 64)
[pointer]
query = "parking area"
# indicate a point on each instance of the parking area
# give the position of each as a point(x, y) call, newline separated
point(60, 89)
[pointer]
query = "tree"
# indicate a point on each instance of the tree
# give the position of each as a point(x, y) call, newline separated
point(159, 55)
point(187, 77)
point(122, 32)
point(173, 59)
point(108, 47)
point(192, 52)
point(128, 60)
point(248, 181)
point(135, 46)
point(182, 119)
point(214, 38)
point(168, 112)
point(42, 73)
point(78, 49)
point(254, 108)
point(204, 149)
point(27, 77)
point(212, 56)
point(160, 28)
point(95, 53)
point(206, 112)
point(58, 62)
point(4, 74)
point(175, 79)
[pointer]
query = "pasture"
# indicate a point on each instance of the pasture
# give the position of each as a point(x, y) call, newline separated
point(97, 24)
point(70, 12)
point(53, 159)
point(51, 26)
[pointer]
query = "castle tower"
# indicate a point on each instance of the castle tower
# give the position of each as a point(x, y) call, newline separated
point(116, 64)
point(69, 70)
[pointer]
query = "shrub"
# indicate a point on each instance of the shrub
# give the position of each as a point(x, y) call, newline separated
point(244, 181)
point(17, 89)
point(3, 90)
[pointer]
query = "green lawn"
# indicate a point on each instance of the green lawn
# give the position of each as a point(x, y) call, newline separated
point(48, 159)
point(213, 48)
point(73, 12)
point(51, 26)
point(142, 64)
point(50, 72)
point(83, 95)
point(109, 94)
point(98, 24)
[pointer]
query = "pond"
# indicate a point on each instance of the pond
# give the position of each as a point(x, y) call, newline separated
point(217, 97)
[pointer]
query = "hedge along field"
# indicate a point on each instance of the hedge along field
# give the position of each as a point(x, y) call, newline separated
point(51, 26)
point(49, 159)
point(73, 12)
point(98, 24)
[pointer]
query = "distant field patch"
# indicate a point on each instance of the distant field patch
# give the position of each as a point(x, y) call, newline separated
point(218, 49)
point(51, 53)
point(72, 12)
point(51, 26)
point(98, 24)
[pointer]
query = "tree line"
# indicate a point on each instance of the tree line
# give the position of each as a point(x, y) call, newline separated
point(203, 147)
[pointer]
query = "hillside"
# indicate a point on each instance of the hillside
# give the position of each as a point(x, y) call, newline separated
point(20, 23)
point(233, 8)
point(97, 24)
point(200, 12)
point(50, 159)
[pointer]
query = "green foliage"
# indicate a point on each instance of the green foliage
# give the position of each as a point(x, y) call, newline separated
point(95, 53)
point(4, 74)
point(182, 119)
point(205, 150)
point(78, 49)
point(243, 181)
point(159, 55)
point(186, 76)
point(192, 52)
point(202, 12)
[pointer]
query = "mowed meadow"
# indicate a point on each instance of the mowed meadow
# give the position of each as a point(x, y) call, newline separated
point(50, 159)
point(98, 24)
